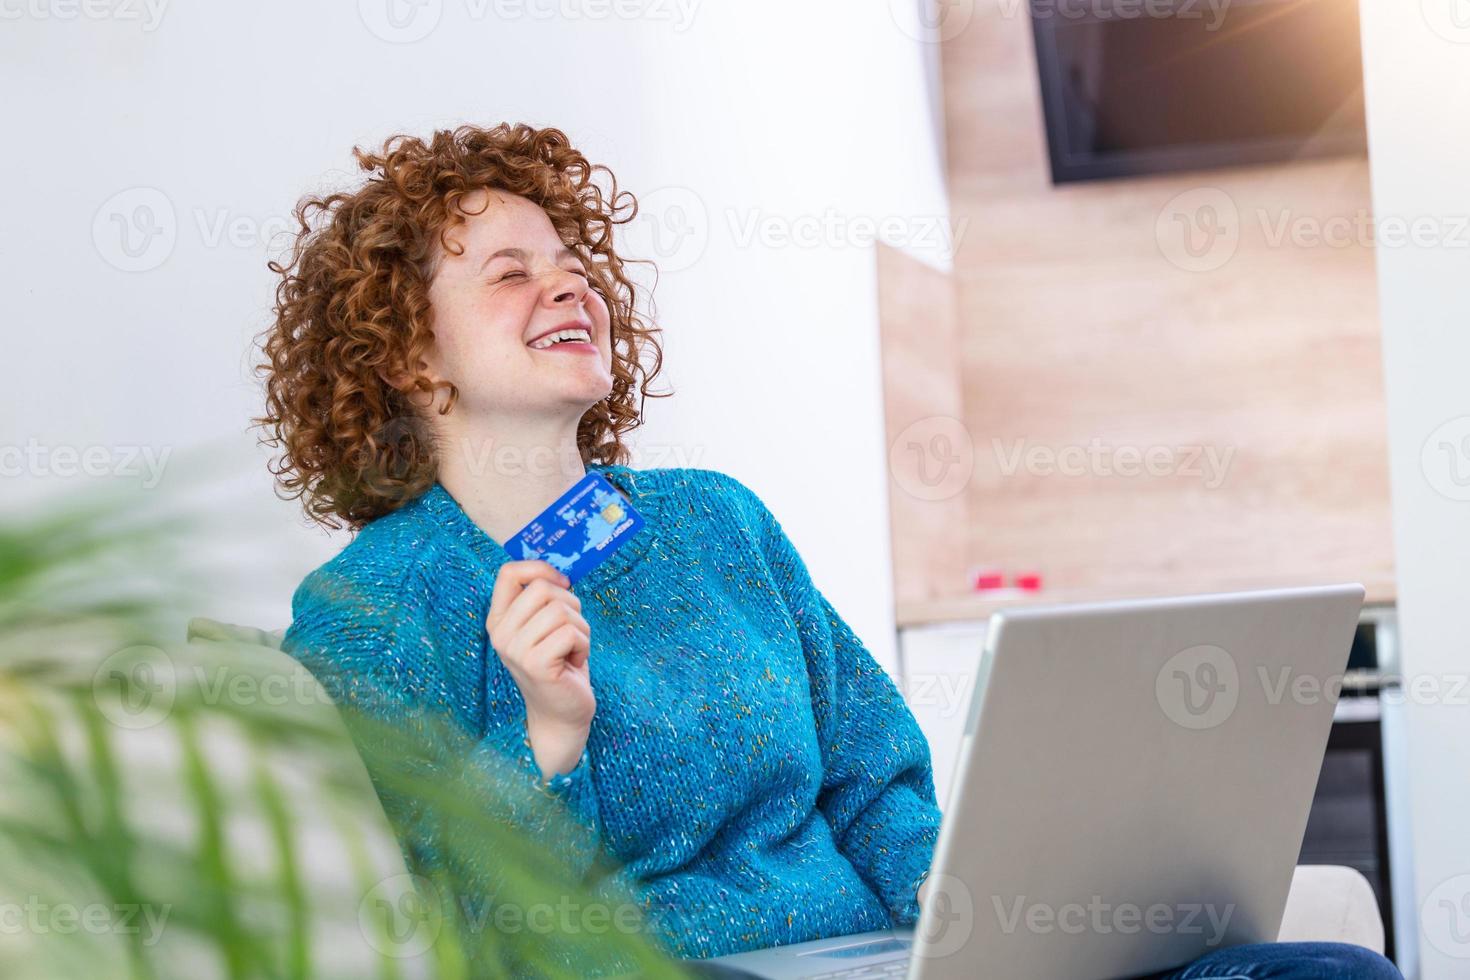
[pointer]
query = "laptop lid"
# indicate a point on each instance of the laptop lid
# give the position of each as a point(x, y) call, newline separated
point(1134, 783)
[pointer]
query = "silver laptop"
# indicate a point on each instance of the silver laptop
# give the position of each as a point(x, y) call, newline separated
point(1130, 794)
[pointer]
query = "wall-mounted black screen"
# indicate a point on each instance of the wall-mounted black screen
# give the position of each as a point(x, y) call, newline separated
point(1143, 86)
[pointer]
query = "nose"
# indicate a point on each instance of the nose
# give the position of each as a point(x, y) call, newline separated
point(566, 287)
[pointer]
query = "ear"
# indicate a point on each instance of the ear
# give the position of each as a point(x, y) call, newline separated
point(400, 379)
point(397, 380)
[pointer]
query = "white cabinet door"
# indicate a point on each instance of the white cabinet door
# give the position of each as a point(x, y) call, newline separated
point(939, 664)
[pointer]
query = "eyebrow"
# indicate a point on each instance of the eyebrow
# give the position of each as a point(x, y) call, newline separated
point(524, 256)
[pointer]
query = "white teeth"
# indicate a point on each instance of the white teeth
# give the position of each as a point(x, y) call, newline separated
point(577, 333)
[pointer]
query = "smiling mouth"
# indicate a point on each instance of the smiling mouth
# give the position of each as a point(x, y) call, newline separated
point(571, 335)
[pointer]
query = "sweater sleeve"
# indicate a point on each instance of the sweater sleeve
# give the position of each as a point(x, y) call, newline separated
point(448, 777)
point(878, 784)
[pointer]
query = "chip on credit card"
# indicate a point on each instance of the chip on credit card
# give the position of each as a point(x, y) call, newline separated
point(580, 530)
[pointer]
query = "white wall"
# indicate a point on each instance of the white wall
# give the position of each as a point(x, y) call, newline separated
point(1417, 76)
point(219, 116)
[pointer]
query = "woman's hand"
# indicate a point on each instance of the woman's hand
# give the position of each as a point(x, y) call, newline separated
point(536, 627)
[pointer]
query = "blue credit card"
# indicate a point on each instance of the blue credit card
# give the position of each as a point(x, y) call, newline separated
point(581, 530)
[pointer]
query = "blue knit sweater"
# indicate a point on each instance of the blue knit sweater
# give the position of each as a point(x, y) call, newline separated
point(752, 772)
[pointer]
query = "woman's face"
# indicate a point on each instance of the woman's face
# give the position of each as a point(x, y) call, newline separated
point(497, 307)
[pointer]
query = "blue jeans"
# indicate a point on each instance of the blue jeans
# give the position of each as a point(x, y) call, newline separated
point(1286, 961)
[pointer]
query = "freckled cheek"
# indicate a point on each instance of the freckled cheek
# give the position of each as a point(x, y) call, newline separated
point(494, 325)
point(472, 341)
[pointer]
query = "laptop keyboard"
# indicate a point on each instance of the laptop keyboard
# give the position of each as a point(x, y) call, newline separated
point(873, 971)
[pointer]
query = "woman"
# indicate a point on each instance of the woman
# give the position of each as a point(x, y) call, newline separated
point(456, 344)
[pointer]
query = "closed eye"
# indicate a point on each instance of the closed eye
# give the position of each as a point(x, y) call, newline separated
point(517, 272)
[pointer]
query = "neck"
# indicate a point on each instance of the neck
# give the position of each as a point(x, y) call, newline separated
point(505, 472)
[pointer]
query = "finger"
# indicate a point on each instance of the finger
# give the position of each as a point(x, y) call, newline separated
point(578, 656)
point(567, 644)
point(512, 579)
point(532, 598)
point(563, 643)
point(548, 618)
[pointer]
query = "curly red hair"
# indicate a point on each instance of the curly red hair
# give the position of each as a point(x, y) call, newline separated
point(352, 310)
